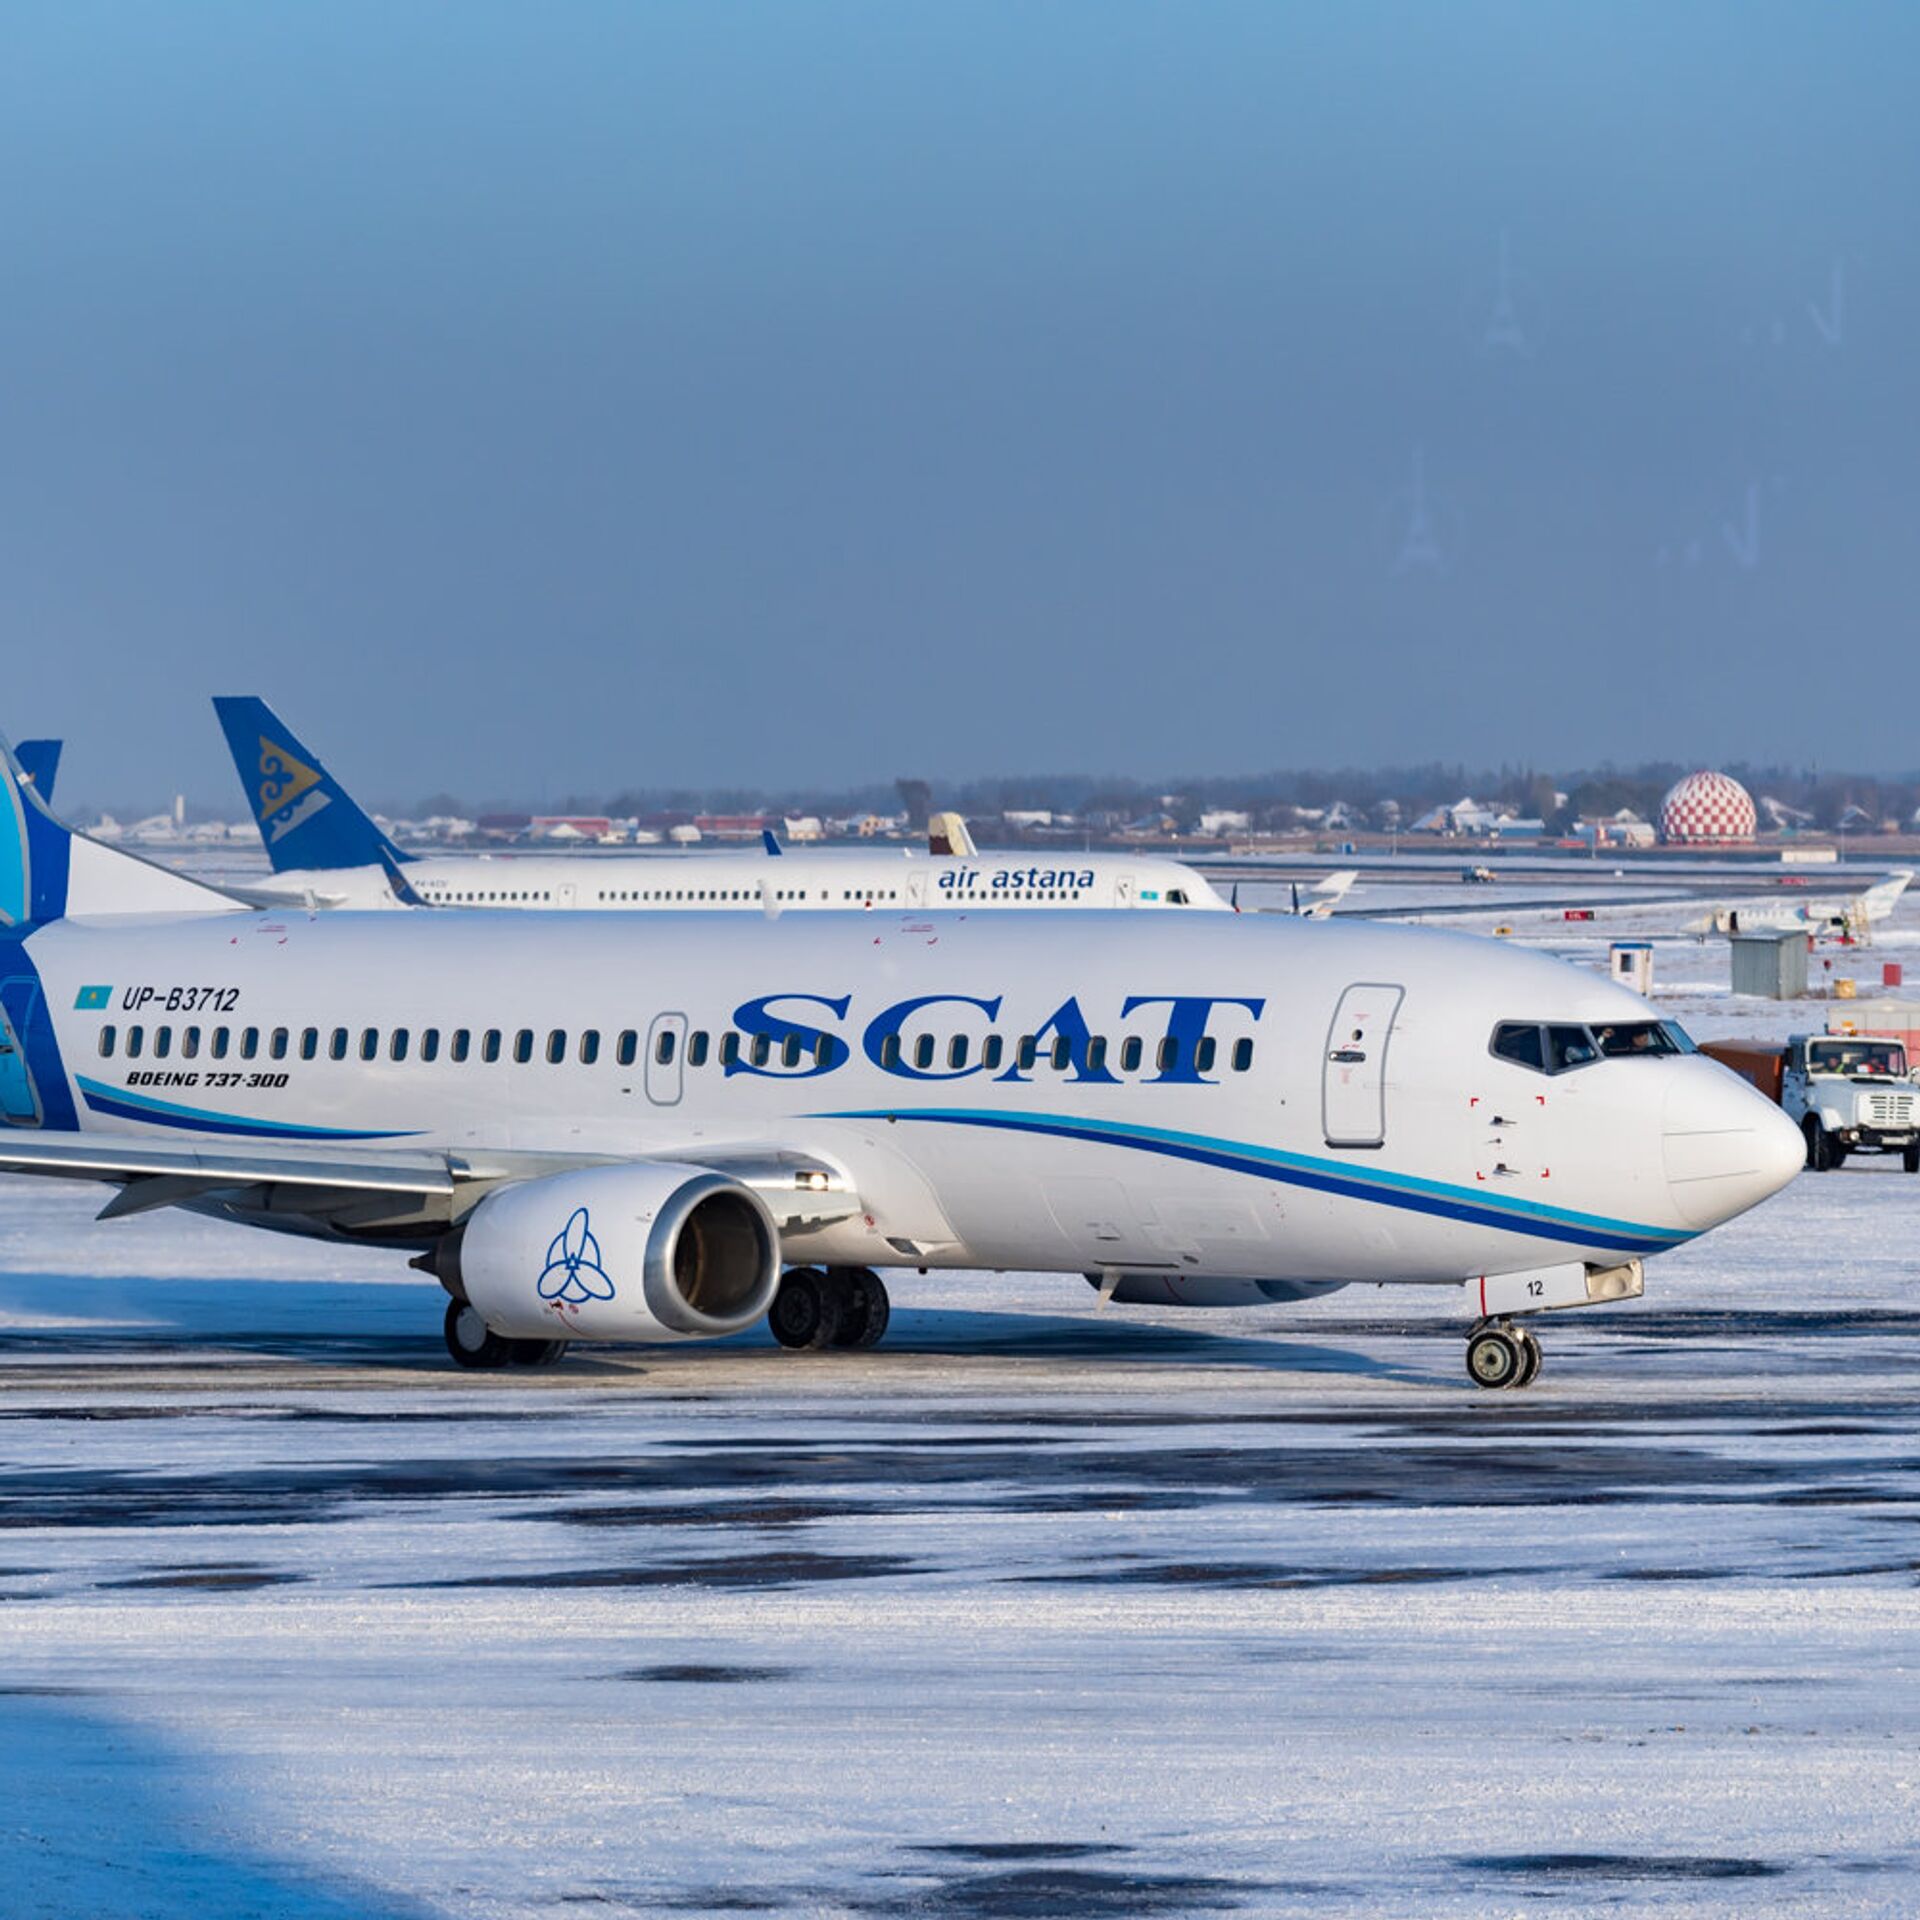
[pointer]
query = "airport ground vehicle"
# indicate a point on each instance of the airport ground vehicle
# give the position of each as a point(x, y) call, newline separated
point(633, 1127)
point(1846, 1094)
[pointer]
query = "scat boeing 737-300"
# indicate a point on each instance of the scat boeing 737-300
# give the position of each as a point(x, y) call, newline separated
point(606, 1126)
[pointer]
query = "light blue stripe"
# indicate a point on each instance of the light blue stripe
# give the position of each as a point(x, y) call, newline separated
point(135, 1106)
point(1368, 1183)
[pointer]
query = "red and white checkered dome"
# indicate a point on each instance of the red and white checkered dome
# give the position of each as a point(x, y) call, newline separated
point(1707, 807)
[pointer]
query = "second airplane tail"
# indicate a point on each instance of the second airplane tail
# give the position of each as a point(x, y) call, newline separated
point(306, 818)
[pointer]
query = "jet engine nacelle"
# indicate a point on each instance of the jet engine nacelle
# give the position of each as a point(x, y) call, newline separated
point(645, 1251)
point(1209, 1290)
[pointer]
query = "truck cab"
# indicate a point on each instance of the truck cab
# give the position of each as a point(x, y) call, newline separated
point(1851, 1095)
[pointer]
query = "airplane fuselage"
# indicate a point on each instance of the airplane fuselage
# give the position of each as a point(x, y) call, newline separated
point(1210, 1094)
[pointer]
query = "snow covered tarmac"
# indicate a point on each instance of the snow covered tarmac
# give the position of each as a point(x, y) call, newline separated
point(1032, 1611)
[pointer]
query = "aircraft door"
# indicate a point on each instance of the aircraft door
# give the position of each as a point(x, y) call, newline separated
point(19, 1105)
point(563, 894)
point(666, 1050)
point(1353, 1085)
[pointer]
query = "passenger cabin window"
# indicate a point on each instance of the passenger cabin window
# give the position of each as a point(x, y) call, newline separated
point(250, 1043)
point(106, 1043)
point(1242, 1055)
point(523, 1046)
point(370, 1043)
point(1204, 1050)
point(666, 1041)
point(697, 1049)
point(136, 1039)
point(398, 1045)
point(460, 1045)
point(556, 1046)
point(923, 1052)
point(162, 1042)
point(189, 1043)
point(429, 1043)
point(219, 1043)
point(762, 1050)
point(890, 1052)
point(309, 1043)
point(589, 1047)
point(992, 1051)
point(1062, 1053)
point(337, 1045)
point(729, 1049)
point(490, 1045)
point(627, 1048)
point(1131, 1049)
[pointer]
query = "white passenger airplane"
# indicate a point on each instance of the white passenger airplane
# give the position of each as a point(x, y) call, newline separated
point(663, 1127)
point(326, 852)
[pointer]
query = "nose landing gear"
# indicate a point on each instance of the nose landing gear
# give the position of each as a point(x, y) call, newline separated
point(1499, 1354)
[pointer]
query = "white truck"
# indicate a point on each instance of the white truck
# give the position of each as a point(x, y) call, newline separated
point(1849, 1093)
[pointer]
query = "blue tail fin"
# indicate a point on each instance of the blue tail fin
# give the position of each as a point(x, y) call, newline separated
point(40, 762)
point(47, 871)
point(307, 819)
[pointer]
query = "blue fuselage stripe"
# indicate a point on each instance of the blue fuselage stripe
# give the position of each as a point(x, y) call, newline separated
point(133, 1106)
point(1405, 1191)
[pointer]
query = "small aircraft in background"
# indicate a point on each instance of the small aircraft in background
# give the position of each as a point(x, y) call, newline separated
point(1854, 914)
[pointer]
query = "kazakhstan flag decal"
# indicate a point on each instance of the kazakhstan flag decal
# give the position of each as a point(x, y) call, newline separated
point(94, 1000)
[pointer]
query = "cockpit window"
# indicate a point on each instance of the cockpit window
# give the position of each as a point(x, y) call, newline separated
point(1563, 1047)
point(1569, 1047)
point(1521, 1045)
point(1626, 1038)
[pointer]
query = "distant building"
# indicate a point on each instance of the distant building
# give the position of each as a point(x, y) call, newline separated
point(1707, 809)
point(1224, 820)
point(732, 826)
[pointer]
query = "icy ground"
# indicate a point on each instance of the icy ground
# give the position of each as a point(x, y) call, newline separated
point(1035, 1611)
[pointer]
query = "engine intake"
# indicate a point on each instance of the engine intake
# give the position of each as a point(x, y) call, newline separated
point(645, 1251)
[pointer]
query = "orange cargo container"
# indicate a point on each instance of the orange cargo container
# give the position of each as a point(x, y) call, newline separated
point(1756, 1061)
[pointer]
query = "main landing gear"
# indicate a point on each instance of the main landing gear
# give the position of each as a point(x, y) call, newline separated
point(475, 1345)
point(829, 1307)
point(1499, 1354)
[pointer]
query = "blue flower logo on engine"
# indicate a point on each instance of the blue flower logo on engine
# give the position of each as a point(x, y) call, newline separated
point(573, 1274)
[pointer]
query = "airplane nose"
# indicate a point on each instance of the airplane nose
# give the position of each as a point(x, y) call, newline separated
point(1727, 1146)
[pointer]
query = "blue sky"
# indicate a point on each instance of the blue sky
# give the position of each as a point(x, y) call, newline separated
point(545, 399)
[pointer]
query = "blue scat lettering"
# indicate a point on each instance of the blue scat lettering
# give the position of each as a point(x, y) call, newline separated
point(757, 1018)
point(886, 1026)
point(1068, 1021)
point(1187, 1016)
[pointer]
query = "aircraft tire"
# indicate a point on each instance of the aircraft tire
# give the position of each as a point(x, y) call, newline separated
point(473, 1344)
point(808, 1309)
point(864, 1324)
point(1530, 1366)
point(1495, 1358)
point(536, 1353)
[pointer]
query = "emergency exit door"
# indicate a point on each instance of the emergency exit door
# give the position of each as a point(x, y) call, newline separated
point(1353, 1084)
point(666, 1049)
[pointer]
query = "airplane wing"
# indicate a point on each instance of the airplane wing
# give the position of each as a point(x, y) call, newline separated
point(379, 1194)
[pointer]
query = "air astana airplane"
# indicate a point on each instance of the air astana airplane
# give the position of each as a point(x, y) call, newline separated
point(633, 1127)
point(325, 851)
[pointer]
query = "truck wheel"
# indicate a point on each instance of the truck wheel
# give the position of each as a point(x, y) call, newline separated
point(1910, 1158)
point(1820, 1155)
